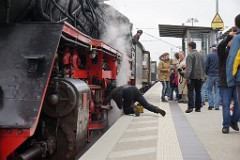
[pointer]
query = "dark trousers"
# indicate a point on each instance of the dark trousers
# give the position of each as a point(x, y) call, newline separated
point(194, 101)
point(130, 95)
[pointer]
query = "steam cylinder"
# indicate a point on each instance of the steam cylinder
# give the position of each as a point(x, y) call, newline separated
point(66, 109)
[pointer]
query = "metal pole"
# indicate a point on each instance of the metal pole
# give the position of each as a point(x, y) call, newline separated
point(192, 20)
point(216, 6)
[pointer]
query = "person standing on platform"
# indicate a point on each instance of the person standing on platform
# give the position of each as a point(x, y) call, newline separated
point(164, 74)
point(227, 93)
point(211, 69)
point(204, 83)
point(125, 97)
point(182, 87)
point(233, 61)
point(193, 75)
point(173, 83)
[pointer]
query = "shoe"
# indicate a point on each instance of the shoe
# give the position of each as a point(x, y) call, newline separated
point(164, 100)
point(180, 101)
point(197, 110)
point(185, 101)
point(225, 130)
point(136, 112)
point(160, 111)
point(170, 99)
point(216, 108)
point(210, 108)
point(188, 110)
point(234, 126)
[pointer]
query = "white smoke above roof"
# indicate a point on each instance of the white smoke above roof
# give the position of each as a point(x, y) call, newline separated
point(117, 33)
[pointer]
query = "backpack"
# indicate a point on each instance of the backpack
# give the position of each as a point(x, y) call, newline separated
point(236, 63)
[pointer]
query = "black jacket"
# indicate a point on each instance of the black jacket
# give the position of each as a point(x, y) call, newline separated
point(116, 95)
point(223, 52)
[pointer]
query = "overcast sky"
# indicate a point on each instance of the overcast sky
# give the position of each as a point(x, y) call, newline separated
point(147, 14)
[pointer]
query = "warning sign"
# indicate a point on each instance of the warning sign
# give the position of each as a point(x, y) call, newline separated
point(217, 22)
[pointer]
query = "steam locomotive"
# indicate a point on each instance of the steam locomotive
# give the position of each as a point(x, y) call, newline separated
point(56, 68)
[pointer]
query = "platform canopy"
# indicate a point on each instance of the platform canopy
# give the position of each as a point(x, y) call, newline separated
point(176, 31)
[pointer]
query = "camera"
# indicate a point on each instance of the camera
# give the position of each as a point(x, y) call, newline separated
point(181, 69)
point(234, 29)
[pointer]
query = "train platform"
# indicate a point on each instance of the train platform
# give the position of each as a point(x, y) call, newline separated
point(177, 136)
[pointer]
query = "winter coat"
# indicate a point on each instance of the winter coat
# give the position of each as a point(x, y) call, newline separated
point(211, 64)
point(235, 47)
point(174, 79)
point(163, 67)
point(182, 88)
point(194, 66)
point(223, 52)
point(116, 95)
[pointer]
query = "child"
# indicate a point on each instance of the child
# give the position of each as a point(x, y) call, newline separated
point(173, 83)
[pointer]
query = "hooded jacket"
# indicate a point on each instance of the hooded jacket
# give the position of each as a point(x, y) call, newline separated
point(231, 80)
point(163, 67)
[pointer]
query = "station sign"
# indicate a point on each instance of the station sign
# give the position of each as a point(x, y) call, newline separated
point(217, 22)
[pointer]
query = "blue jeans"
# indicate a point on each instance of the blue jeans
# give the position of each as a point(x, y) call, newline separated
point(174, 89)
point(227, 94)
point(203, 91)
point(212, 81)
point(165, 89)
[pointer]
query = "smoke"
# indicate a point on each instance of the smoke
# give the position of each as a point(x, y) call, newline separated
point(125, 72)
point(117, 33)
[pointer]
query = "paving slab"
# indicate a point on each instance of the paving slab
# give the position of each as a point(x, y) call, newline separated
point(177, 136)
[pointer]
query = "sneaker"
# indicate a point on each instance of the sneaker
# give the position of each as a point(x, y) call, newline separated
point(182, 101)
point(160, 111)
point(225, 130)
point(210, 107)
point(234, 126)
point(197, 110)
point(170, 99)
point(136, 112)
point(216, 108)
point(188, 110)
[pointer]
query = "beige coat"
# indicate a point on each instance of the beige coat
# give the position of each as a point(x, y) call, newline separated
point(163, 68)
point(182, 88)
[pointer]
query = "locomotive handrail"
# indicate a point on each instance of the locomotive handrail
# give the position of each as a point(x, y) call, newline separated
point(92, 48)
point(94, 43)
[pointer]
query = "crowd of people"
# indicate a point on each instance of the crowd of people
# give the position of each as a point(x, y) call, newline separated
point(216, 74)
point(188, 80)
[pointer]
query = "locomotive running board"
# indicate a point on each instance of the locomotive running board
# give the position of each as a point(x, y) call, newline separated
point(27, 54)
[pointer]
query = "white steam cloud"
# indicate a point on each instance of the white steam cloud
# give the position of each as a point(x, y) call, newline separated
point(116, 33)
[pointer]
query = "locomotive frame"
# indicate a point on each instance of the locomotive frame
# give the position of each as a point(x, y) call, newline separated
point(47, 68)
point(53, 77)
